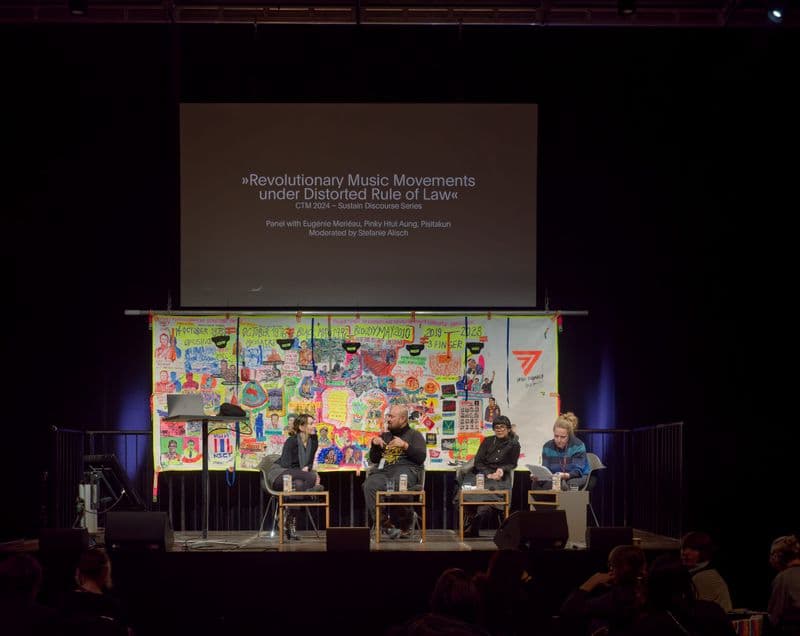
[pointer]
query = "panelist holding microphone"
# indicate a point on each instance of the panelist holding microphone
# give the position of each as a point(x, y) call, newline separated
point(400, 450)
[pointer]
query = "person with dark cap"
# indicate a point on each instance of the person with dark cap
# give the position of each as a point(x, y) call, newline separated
point(696, 551)
point(496, 460)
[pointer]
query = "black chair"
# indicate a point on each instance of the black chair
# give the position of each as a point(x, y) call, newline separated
point(265, 466)
point(595, 465)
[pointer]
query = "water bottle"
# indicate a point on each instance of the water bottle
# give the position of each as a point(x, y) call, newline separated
point(480, 482)
point(557, 481)
point(403, 482)
point(287, 483)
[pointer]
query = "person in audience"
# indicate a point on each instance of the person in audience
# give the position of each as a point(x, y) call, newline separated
point(431, 624)
point(696, 552)
point(455, 609)
point(565, 455)
point(609, 600)
point(91, 608)
point(784, 601)
point(400, 450)
point(496, 459)
point(20, 613)
point(297, 460)
point(507, 595)
point(671, 607)
point(456, 596)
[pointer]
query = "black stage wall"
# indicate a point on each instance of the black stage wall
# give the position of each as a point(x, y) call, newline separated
point(664, 202)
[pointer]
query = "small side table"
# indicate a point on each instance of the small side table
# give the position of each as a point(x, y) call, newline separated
point(483, 500)
point(545, 498)
point(381, 500)
point(285, 501)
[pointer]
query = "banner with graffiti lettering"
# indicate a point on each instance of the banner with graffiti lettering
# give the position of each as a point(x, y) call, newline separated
point(455, 375)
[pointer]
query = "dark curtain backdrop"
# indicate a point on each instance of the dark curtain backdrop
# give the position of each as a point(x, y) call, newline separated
point(665, 210)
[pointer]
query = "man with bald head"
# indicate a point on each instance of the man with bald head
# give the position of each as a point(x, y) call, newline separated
point(400, 450)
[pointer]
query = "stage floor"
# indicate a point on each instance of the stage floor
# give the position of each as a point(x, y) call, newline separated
point(435, 541)
point(250, 541)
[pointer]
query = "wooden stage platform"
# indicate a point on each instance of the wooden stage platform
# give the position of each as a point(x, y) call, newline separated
point(436, 541)
point(251, 541)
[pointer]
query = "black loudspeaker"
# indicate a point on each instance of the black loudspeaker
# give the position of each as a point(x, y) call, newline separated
point(355, 539)
point(72, 540)
point(534, 530)
point(138, 531)
point(606, 539)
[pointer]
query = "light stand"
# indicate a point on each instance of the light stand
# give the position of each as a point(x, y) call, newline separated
point(86, 503)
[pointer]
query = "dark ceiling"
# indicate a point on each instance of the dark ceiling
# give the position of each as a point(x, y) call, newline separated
point(711, 14)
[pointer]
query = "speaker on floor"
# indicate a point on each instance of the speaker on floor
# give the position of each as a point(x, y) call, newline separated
point(606, 539)
point(138, 531)
point(533, 530)
point(347, 539)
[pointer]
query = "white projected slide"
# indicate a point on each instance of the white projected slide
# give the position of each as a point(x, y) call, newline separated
point(358, 205)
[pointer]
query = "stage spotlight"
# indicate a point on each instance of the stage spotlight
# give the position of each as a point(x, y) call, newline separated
point(626, 7)
point(78, 7)
point(474, 347)
point(351, 347)
point(775, 14)
point(221, 341)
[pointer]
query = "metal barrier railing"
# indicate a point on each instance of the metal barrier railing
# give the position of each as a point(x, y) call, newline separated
point(657, 470)
point(649, 457)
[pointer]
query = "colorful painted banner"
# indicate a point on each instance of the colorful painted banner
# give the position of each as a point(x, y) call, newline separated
point(454, 374)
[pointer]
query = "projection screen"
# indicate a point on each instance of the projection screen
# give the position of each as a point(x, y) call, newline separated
point(330, 205)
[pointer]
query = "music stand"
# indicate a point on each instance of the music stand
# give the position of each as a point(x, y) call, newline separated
point(205, 419)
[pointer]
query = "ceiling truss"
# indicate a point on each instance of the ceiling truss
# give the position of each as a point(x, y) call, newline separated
point(603, 13)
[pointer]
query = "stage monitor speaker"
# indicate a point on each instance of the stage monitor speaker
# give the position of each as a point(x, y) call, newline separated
point(138, 531)
point(606, 539)
point(347, 539)
point(533, 530)
point(71, 540)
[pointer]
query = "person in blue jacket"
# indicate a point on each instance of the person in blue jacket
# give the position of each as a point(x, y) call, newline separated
point(565, 454)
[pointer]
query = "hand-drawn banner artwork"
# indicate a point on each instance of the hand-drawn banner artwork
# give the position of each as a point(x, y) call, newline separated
point(455, 375)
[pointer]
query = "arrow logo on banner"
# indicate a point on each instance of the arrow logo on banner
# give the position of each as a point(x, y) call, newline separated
point(527, 360)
